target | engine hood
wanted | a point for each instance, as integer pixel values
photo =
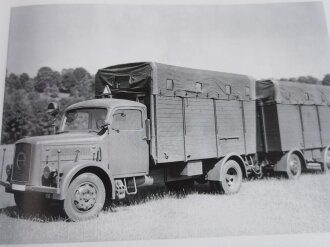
(62, 139)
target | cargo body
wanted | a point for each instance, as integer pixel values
(192, 115)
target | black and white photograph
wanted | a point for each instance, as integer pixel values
(193, 122)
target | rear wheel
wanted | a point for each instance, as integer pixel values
(85, 198)
(293, 167)
(231, 178)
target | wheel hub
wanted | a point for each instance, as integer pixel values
(85, 197)
(294, 166)
(231, 177)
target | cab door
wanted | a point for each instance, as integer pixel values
(128, 148)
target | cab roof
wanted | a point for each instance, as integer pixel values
(106, 103)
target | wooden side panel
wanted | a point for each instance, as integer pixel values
(230, 127)
(311, 126)
(200, 129)
(170, 141)
(324, 114)
(290, 127)
(250, 126)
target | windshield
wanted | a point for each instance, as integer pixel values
(84, 119)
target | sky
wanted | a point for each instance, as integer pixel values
(261, 40)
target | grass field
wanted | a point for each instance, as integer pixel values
(268, 206)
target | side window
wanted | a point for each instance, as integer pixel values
(127, 120)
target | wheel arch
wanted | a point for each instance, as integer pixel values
(281, 165)
(214, 173)
(71, 174)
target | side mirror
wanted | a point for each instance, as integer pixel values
(53, 109)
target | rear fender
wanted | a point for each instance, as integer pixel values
(70, 171)
(281, 165)
(323, 159)
(215, 173)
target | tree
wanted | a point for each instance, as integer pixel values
(46, 77)
(84, 89)
(81, 73)
(24, 77)
(308, 79)
(28, 85)
(12, 82)
(68, 80)
(326, 80)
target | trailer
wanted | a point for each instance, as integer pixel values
(154, 121)
(293, 126)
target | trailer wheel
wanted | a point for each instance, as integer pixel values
(231, 178)
(326, 164)
(293, 167)
(85, 198)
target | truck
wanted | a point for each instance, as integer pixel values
(183, 125)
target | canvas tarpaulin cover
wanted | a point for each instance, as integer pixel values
(153, 78)
(293, 93)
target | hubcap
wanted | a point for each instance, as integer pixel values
(85, 197)
(231, 177)
(294, 165)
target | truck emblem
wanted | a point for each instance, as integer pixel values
(20, 162)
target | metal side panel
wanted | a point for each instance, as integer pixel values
(169, 130)
(311, 126)
(324, 114)
(250, 126)
(200, 137)
(230, 127)
(290, 127)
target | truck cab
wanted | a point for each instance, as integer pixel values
(103, 137)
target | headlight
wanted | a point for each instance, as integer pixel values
(47, 172)
(8, 170)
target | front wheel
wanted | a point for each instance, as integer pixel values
(85, 198)
(231, 178)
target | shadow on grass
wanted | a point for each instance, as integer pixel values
(52, 212)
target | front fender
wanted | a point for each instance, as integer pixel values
(215, 173)
(69, 171)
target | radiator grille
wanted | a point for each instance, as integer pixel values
(22, 162)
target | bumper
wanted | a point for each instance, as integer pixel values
(10, 188)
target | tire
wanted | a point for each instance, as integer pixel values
(293, 166)
(181, 185)
(326, 162)
(85, 197)
(31, 202)
(231, 178)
